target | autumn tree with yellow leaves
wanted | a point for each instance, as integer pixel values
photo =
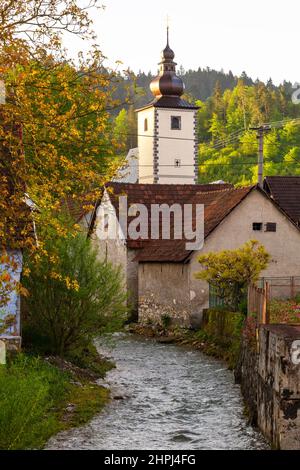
(56, 138)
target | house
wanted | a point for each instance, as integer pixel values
(121, 250)
(166, 276)
(159, 273)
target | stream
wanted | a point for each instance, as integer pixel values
(173, 398)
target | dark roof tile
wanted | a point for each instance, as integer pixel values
(285, 190)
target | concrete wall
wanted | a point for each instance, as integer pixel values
(278, 397)
(163, 290)
(270, 381)
(236, 229)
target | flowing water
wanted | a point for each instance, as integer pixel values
(173, 398)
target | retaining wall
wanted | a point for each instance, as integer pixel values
(270, 383)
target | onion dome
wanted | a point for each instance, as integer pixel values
(167, 83)
(167, 53)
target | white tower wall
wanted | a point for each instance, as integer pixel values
(146, 145)
(176, 147)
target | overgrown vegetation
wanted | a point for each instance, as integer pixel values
(285, 310)
(78, 300)
(66, 308)
(231, 271)
(39, 400)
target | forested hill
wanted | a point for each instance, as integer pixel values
(228, 108)
(199, 84)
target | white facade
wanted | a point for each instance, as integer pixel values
(128, 173)
(146, 117)
(176, 147)
(167, 155)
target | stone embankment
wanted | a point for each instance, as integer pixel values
(270, 384)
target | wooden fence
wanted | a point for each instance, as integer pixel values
(258, 298)
(266, 289)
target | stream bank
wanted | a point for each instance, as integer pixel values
(41, 396)
(170, 397)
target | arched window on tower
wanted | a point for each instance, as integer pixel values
(145, 125)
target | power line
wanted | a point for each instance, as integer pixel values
(220, 164)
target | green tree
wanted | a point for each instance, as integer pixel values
(121, 130)
(73, 296)
(231, 271)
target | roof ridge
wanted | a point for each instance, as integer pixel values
(228, 189)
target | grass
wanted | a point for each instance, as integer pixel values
(38, 399)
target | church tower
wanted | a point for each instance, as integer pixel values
(167, 130)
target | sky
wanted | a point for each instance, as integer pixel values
(260, 37)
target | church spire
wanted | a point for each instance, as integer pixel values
(167, 83)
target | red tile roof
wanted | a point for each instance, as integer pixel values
(219, 201)
(285, 190)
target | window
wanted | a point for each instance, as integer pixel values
(271, 227)
(106, 222)
(257, 226)
(177, 162)
(146, 125)
(175, 122)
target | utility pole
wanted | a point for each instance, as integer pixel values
(261, 131)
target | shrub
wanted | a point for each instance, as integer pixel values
(221, 334)
(230, 272)
(72, 297)
(223, 325)
(166, 321)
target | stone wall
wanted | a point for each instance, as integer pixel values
(246, 374)
(164, 292)
(278, 396)
(270, 383)
(132, 283)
